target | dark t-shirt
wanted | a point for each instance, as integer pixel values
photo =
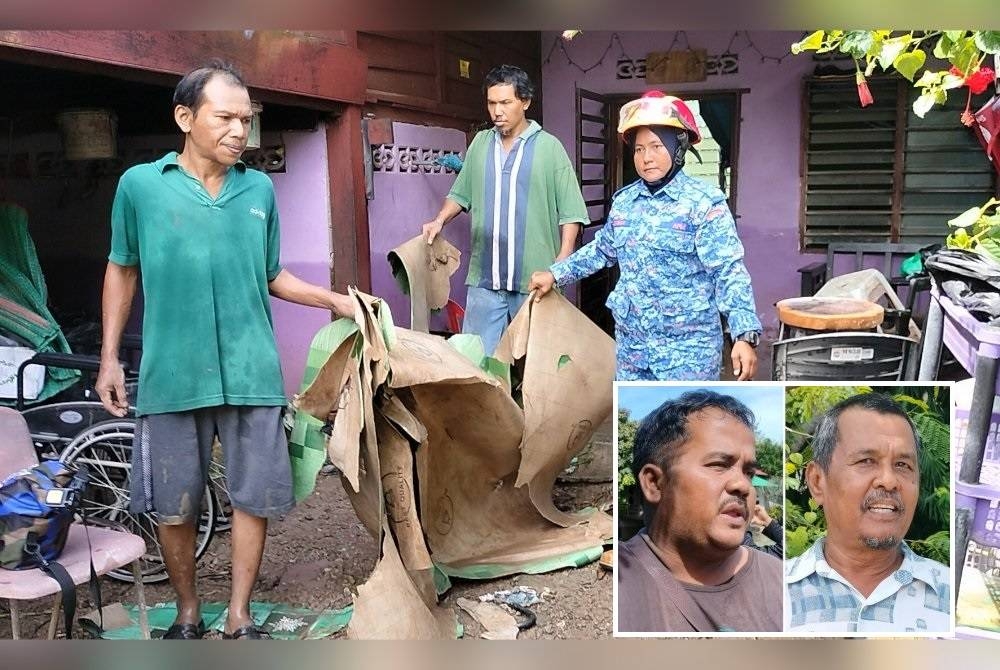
(749, 602)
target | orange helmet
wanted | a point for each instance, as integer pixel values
(655, 108)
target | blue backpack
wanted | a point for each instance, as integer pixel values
(37, 507)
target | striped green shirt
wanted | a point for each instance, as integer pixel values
(517, 203)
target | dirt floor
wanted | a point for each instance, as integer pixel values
(319, 553)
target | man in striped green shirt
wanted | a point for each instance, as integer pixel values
(522, 194)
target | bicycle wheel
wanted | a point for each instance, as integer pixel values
(224, 506)
(106, 449)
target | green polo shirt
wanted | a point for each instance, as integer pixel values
(205, 263)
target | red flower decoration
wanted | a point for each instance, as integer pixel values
(977, 81)
(864, 95)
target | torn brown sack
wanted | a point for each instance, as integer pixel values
(566, 391)
(424, 418)
(427, 269)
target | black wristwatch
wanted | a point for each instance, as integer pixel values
(751, 337)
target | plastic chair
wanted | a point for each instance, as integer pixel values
(842, 356)
(109, 548)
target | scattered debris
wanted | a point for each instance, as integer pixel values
(519, 595)
(497, 623)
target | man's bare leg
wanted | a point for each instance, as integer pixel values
(177, 543)
(249, 533)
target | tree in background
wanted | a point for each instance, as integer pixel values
(626, 437)
(928, 408)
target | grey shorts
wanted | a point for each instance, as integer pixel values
(171, 454)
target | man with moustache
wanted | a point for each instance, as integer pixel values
(687, 570)
(522, 194)
(862, 577)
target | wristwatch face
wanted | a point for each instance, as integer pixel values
(751, 338)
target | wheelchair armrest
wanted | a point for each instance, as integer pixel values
(60, 360)
(56, 360)
(813, 276)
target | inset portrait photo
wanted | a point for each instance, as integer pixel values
(868, 521)
(699, 480)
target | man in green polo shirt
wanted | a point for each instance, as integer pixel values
(203, 230)
(524, 199)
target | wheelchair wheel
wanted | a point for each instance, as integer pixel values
(220, 488)
(106, 449)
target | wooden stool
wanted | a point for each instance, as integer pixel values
(810, 315)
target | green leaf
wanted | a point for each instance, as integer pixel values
(942, 47)
(990, 246)
(990, 221)
(857, 43)
(917, 402)
(928, 79)
(955, 35)
(795, 458)
(790, 468)
(796, 541)
(891, 49)
(964, 55)
(988, 41)
(959, 240)
(813, 41)
(966, 218)
(923, 104)
(810, 517)
(813, 505)
(907, 64)
(949, 81)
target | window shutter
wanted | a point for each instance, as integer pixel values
(946, 171)
(880, 173)
(848, 163)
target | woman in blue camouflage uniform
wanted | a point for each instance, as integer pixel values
(674, 240)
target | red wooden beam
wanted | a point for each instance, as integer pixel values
(321, 65)
(348, 205)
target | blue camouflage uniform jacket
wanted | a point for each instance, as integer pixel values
(681, 264)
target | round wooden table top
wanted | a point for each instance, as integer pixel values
(830, 313)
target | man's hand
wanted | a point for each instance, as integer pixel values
(432, 229)
(744, 361)
(760, 516)
(111, 388)
(541, 283)
(342, 305)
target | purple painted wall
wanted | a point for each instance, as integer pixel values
(768, 190)
(303, 195)
(406, 197)
(69, 221)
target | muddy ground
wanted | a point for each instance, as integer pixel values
(319, 553)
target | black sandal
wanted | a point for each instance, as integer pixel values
(185, 631)
(248, 632)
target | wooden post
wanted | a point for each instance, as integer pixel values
(350, 252)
